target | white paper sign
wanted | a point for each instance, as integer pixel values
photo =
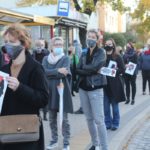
(112, 64)
(108, 71)
(130, 68)
(3, 87)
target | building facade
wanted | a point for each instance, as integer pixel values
(110, 20)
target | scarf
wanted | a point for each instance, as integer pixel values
(147, 52)
(129, 53)
(54, 59)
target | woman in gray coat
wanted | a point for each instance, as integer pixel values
(57, 66)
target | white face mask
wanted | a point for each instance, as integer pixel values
(58, 51)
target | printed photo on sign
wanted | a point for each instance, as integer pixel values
(108, 71)
(3, 87)
(112, 64)
(130, 68)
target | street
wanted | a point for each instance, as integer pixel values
(80, 139)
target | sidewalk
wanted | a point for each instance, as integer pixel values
(80, 139)
(140, 140)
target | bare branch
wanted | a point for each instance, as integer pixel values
(77, 6)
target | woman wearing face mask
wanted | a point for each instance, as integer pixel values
(114, 90)
(57, 66)
(91, 84)
(25, 94)
(130, 56)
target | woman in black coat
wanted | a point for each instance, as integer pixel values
(114, 90)
(27, 88)
(130, 80)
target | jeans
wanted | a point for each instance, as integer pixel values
(92, 104)
(130, 80)
(111, 119)
(65, 127)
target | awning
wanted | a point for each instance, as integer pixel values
(69, 22)
(8, 16)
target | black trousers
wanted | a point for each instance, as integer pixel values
(130, 82)
(146, 77)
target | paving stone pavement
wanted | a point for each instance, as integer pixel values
(140, 140)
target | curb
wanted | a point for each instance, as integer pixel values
(119, 142)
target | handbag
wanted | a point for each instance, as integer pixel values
(19, 128)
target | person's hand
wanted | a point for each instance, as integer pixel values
(13, 83)
(126, 66)
(63, 71)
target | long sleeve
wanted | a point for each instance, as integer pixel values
(91, 69)
(53, 72)
(121, 66)
(97, 65)
(37, 93)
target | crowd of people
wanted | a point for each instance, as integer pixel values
(33, 80)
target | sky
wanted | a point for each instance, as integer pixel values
(130, 3)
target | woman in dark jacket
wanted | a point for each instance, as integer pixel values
(57, 67)
(114, 90)
(91, 85)
(130, 56)
(25, 94)
(144, 65)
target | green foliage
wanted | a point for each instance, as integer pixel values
(130, 37)
(142, 14)
(119, 38)
(88, 6)
(139, 45)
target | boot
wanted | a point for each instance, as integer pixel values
(132, 102)
(127, 101)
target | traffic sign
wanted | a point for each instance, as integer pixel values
(63, 8)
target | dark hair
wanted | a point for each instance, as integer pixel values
(131, 44)
(114, 53)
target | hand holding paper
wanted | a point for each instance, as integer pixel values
(3, 87)
(130, 68)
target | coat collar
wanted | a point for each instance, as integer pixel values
(26, 68)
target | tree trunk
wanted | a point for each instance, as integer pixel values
(82, 36)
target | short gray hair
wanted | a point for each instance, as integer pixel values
(93, 31)
(56, 39)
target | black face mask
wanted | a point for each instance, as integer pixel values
(108, 48)
(13, 51)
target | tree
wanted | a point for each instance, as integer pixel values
(88, 6)
(142, 15)
(119, 38)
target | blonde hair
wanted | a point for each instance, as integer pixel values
(20, 32)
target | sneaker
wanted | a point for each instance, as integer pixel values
(114, 128)
(132, 102)
(79, 111)
(66, 147)
(144, 93)
(52, 145)
(94, 147)
(127, 101)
